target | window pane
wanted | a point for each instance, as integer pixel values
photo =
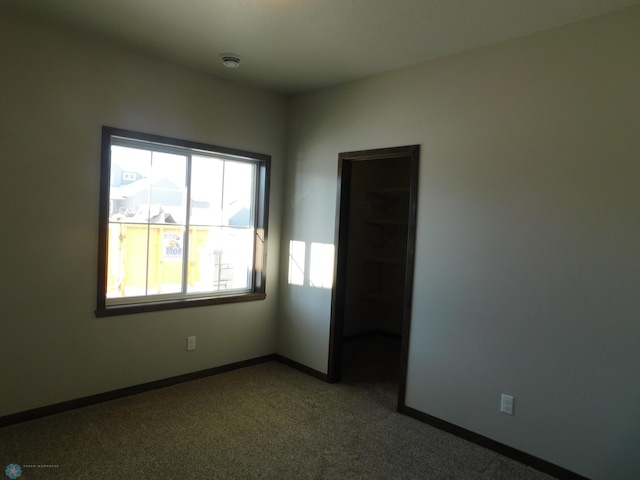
(220, 258)
(167, 190)
(127, 260)
(144, 260)
(239, 181)
(147, 186)
(206, 190)
(166, 248)
(130, 169)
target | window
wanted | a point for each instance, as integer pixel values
(181, 224)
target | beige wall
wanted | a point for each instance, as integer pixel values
(57, 90)
(528, 248)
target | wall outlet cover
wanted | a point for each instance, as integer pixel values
(506, 404)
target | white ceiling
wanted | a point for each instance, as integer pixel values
(298, 45)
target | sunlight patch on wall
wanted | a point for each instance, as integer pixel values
(321, 265)
(297, 253)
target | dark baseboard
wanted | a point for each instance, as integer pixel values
(125, 392)
(301, 367)
(61, 407)
(502, 449)
(498, 447)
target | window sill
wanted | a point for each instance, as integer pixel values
(111, 311)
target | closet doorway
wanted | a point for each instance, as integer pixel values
(375, 250)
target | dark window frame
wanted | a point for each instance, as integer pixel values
(258, 291)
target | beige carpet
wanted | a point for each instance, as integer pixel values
(266, 421)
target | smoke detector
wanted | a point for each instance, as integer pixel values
(230, 60)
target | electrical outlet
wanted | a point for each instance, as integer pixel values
(506, 404)
(191, 343)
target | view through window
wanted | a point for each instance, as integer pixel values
(182, 223)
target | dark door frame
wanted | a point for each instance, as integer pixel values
(345, 162)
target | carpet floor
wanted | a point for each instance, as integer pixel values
(267, 421)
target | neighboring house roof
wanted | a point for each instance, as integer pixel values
(134, 188)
